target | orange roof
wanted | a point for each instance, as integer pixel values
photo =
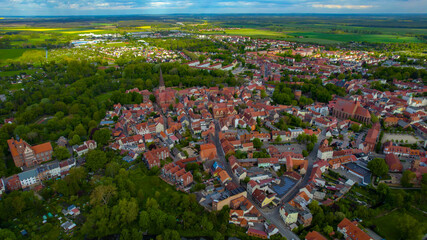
(314, 236)
(12, 147)
(44, 147)
(223, 175)
(353, 231)
(206, 146)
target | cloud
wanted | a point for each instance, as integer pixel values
(338, 6)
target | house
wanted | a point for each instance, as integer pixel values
(315, 236)
(2, 187)
(85, 147)
(262, 198)
(24, 154)
(371, 138)
(257, 233)
(393, 163)
(208, 151)
(152, 158)
(305, 217)
(28, 178)
(325, 153)
(350, 230)
(288, 213)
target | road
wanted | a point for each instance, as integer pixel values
(271, 215)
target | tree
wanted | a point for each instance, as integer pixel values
(328, 229)
(263, 94)
(409, 228)
(102, 136)
(355, 128)
(374, 118)
(304, 153)
(257, 143)
(75, 140)
(102, 194)
(126, 211)
(6, 234)
(278, 139)
(378, 167)
(407, 178)
(152, 98)
(61, 153)
(80, 130)
(144, 220)
(95, 160)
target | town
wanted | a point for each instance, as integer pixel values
(297, 127)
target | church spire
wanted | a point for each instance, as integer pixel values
(161, 81)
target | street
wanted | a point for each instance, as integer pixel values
(271, 215)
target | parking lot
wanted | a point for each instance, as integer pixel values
(395, 136)
(296, 148)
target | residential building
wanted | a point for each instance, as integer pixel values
(351, 231)
(26, 155)
(314, 236)
(393, 163)
(288, 213)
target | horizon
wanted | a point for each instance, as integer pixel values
(20, 8)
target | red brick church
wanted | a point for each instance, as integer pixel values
(348, 109)
(164, 96)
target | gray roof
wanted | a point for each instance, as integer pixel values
(27, 174)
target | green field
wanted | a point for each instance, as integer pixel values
(386, 225)
(13, 73)
(251, 32)
(11, 53)
(344, 37)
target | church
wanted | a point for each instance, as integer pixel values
(164, 96)
(348, 109)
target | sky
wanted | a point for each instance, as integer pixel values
(122, 7)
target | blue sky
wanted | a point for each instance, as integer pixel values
(103, 7)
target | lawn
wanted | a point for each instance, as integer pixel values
(386, 225)
(347, 37)
(11, 53)
(251, 32)
(13, 73)
(104, 97)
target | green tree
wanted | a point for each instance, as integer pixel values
(374, 118)
(102, 136)
(257, 143)
(80, 130)
(328, 229)
(407, 178)
(304, 153)
(378, 167)
(6, 234)
(144, 220)
(103, 194)
(409, 228)
(61, 153)
(95, 160)
(75, 140)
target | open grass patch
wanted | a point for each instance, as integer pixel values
(347, 37)
(386, 225)
(14, 73)
(11, 53)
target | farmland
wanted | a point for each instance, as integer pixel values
(348, 37)
(11, 53)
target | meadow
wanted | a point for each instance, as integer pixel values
(11, 53)
(349, 37)
(386, 225)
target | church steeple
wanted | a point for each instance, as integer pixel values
(161, 81)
